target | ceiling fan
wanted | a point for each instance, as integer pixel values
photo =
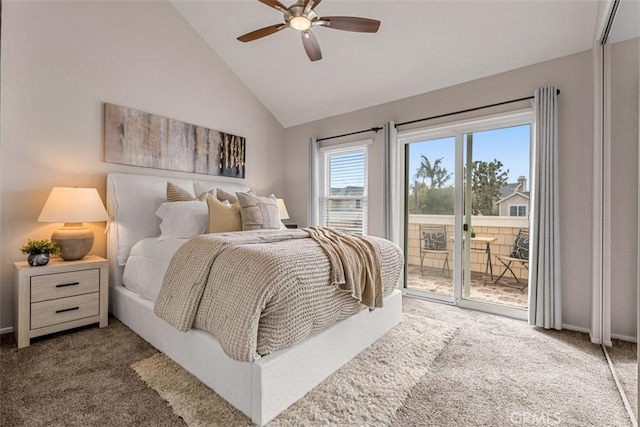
(301, 16)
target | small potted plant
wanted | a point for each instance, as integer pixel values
(39, 251)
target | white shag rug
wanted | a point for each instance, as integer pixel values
(366, 391)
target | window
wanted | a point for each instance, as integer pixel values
(517, 210)
(343, 187)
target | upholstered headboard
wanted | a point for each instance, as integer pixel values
(132, 201)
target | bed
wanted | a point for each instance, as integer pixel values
(261, 388)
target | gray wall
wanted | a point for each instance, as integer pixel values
(61, 61)
(572, 74)
(624, 61)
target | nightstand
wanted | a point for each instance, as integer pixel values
(58, 296)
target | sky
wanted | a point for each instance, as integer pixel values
(509, 145)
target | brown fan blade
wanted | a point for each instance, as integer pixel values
(349, 23)
(308, 6)
(274, 4)
(262, 32)
(311, 46)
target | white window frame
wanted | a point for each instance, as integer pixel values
(324, 181)
(518, 206)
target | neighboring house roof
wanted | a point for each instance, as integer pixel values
(524, 194)
(347, 191)
(508, 189)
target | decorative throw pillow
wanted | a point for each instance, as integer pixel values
(258, 212)
(203, 196)
(176, 193)
(434, 240)
(181, 220)
(223, 216)
(521, 245)
(231, 198)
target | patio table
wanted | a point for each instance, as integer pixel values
(486, 240)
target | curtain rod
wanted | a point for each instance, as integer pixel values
(607, 28)
(468, 110)
(373, 129)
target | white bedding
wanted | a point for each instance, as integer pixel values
(147, 264)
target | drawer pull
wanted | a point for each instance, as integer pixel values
(67, 309)
(64, 285)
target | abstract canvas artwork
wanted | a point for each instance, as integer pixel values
(133, 137)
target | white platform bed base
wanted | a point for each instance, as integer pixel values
(266, 387)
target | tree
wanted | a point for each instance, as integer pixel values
(431, 198)
(437, 175)
(487, 181)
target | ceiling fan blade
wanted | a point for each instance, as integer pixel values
(262, 32)
(311, 46)
(349, 23)
(310, 5)
(274, 4)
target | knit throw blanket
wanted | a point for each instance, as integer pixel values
(355, 263)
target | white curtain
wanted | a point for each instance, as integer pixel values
(312, 203)
(545, 297)
(391, 210)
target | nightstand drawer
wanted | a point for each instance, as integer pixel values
(47, 313)
(60, 285)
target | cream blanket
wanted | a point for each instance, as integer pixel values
(260, 291)
(355, 263)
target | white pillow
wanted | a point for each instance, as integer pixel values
(181, 220)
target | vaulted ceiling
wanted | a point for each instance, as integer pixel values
(421, 46)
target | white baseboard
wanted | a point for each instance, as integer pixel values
(586, 331)
(577, 329)
(6, 330)
(624, 338)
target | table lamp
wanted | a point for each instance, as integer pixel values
(284, 214)
(73, 206)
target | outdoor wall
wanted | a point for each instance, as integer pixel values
(624, 186)
(61, 61)
(572, 74)
(504, 232)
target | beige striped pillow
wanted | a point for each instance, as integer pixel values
(176, 193)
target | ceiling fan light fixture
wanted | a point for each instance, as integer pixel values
(300, 23)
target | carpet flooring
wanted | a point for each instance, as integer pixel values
(494, 371)
(501, 372)
(79, 378)
(366, 391)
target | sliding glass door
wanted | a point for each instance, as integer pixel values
(430, 204)
(467, 210)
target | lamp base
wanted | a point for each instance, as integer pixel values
(74, 239)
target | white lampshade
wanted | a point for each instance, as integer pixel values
(284, 214)
(71, 204)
